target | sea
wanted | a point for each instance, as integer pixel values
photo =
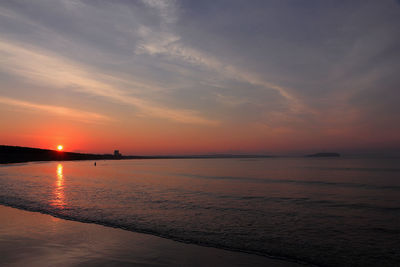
(317, 211)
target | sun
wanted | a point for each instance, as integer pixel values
(60, 147)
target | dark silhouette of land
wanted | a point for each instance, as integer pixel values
(15, 154)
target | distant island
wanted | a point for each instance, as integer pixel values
(16, 154)
(324, 155)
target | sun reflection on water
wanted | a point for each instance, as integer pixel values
(59, 198)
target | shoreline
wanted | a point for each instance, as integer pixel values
(17, 154)
(67, 242)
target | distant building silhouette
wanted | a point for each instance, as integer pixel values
(117, 154)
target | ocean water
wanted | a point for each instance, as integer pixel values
(321, 211)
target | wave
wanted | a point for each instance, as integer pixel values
(288, 181)
(356, 169)
(295, 219)
(32, 206)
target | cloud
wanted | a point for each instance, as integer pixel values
(80, 115)
(166, 8)
(164, 41)
(150, 39)
(47, 68)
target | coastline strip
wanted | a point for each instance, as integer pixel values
(35, 239)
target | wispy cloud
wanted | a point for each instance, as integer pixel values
(166, 42)
(166, 8)
(75, 114)
(41, 66)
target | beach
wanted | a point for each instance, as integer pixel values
(35, 239)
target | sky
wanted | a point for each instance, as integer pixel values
(197, 77)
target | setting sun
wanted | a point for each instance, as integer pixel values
(60, 147)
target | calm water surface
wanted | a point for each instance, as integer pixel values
(327, 212)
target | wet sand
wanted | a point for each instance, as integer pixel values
(35, 239)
